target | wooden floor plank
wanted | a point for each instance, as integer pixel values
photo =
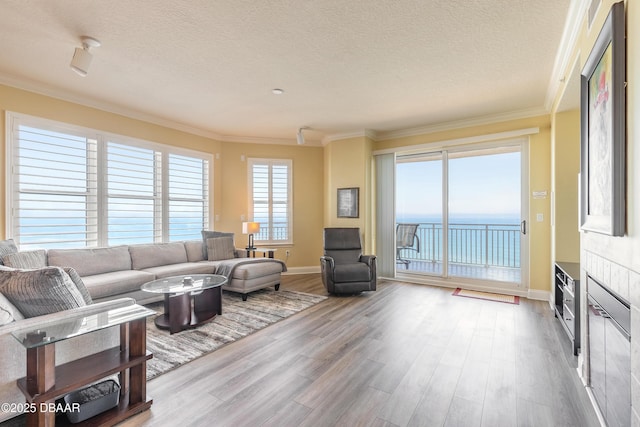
(404, 355)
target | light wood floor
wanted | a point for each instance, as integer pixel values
(405, 355)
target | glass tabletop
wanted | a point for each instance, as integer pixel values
(80, 324)
(188, 283)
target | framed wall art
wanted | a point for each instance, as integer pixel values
(603, 130)
(348, 199)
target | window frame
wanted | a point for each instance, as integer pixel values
(251, 161)
(161, 229)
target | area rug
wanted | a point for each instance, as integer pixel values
(508, 299)
(239, 319)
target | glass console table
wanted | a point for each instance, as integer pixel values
(45, 382)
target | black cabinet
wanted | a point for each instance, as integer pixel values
(567, 300)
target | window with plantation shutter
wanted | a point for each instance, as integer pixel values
(270, 199)
(188, 179)
(132, 195)
(77, 187)
(54, 188)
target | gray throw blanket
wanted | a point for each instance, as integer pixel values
(226, 267)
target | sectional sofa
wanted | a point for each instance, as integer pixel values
(119, 271)
(113, 276)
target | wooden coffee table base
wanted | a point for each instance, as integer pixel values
(180, 313)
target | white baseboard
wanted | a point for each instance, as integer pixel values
(539, 295)
(302, 270)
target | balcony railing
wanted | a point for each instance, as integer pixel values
(489, 245)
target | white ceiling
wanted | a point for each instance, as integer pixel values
(346, 65)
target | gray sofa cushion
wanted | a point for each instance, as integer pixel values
(8, 312)
(115, 283)
(219, 248)
(7, 247)
(208, 234)
(26, 259)
(194, 250)
(42, 291)
(77, 280)
(91, 261)
(180, 269)
(155, 254)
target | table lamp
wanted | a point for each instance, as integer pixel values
(250, 228)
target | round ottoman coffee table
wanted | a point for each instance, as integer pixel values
(179, 312)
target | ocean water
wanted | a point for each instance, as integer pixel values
(489, 240)
(461, 219)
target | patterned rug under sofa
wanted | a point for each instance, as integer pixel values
(239, 319)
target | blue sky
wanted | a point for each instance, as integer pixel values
(478, 185)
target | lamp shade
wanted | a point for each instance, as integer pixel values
(250, 227)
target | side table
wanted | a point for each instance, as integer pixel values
(251, 253)
(45, 381)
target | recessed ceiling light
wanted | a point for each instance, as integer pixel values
(277, 91)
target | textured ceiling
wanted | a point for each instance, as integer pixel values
(346, 65)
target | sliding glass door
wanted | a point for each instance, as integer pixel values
(419, 190)
(470, 210)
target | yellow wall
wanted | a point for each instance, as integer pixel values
(566, 166)
(307, 196)
(348, 164)
(229, 199)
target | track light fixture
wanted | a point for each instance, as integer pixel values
(82, 56)
(300, 136)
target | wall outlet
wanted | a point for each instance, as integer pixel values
(288, 252)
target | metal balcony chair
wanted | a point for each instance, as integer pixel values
(406, 239)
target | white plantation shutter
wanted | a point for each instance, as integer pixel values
(270, 199)
(53, 188)
(188, 197)
(132, 195)
(75, 187)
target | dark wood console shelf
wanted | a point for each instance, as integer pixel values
(45, 382)
(567, 300)
(84, 371)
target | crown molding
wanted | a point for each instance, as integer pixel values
(561, 70)
(41, 89)
(367, 133)
(268, 140)
(458, 124)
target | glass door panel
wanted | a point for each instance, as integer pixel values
(419, 191)
(485, 214)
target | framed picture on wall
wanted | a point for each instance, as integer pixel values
(603, 130)
(348, 205)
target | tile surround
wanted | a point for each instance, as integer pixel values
(626, 283)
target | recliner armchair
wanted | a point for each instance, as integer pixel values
(344, 269)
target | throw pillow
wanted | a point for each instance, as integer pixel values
(208, 234)
(27, 259)
(7, 247)
(77, 280)
(220, 248)
(8, 312)
(42, 291)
